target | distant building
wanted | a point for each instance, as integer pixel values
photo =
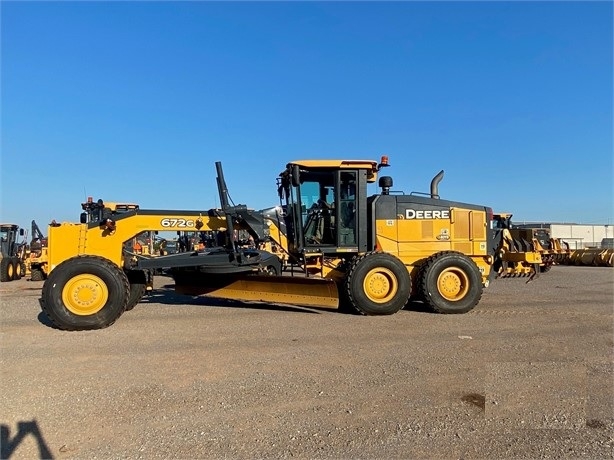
(577, 236)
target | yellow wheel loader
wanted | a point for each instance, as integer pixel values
(342, 249)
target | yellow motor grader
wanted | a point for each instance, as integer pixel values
(12, 252)
(370, 254)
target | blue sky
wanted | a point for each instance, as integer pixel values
(135, 101)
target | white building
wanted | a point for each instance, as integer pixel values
(578, 236)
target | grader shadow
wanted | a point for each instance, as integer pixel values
(166, 295)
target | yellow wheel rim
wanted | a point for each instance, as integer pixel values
(10, 271)
(380, 285)
(453, 284)
(85, 294)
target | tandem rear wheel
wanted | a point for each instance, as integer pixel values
(85, 292)
(450, 282)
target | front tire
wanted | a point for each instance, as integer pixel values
(451, 283)
(6, 269)
(377, 283)
(85, 292)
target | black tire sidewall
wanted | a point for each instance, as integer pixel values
(430, 291)
(4, 269)
(137, 291)
(16, 269)
(355, 290)
(113, 278)
(138, 287)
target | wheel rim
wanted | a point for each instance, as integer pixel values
(10, 271)
(85, 294)
(453, 284)
(380, 285)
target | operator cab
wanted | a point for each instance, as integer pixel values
(8, 239)
(325, 203)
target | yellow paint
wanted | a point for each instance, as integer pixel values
(380, 285)
(85, 294)
(315, 292)
(453, 284)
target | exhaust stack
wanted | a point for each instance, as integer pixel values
(435, 185)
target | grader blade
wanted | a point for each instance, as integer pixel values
(312, 292)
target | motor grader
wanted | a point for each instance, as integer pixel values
(12, 252)
(370, 254)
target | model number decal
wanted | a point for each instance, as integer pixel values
(181, 223)
(427, 214)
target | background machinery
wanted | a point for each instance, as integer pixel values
(12, 253)
(595, 257)
(370, 254)
(525, 251)
(36, 257)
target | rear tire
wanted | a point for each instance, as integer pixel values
(451, 283)
(85, 292)
(16, 269)
(377, 283)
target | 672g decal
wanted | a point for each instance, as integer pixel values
(177, 223)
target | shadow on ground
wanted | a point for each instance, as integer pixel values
(24, 429)
(166, 295)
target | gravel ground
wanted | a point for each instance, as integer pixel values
(527, 374)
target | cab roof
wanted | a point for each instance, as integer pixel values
(342, 164)
(371, 166)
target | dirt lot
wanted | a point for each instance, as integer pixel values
(527, 374)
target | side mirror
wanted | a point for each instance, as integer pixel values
(296, 176)
(21, 232)
(83, 218)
